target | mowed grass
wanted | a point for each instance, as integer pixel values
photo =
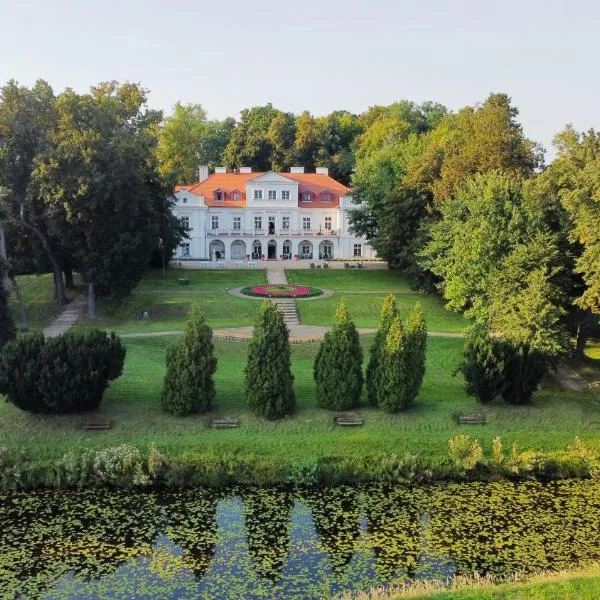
(168, 302)
(38, 298)
(353, 280)
(551, 422)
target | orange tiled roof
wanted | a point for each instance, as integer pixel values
(229, 182)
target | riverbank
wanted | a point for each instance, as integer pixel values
(580, 584)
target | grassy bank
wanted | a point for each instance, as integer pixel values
(577, 584)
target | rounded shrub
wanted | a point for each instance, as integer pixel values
(68, 373)
(188, 385)
(269, 379)
(338, 365)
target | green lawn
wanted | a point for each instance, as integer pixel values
(201, 279)
(365, 308)
(38, 297)
(377, 280)
(550, 422)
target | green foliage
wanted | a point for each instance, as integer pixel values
(392, 380)
(465, 452)
(7, 326)
(482, 365)
(524, 368)
(415, 347)
(269, 380)
(68, 373)
(188, 385)
(389, 310)
(338, 365)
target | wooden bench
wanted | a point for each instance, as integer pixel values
(98, 423)
(472, 419)
(347, 420)
(184, 281)
(225, 423)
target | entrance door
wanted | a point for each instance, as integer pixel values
(272, 250)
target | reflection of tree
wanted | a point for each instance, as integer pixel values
(267, 517)
(394, 529)
(192, 524)
(45, 535)
(336, 515)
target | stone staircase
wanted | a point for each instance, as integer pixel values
(289, 310)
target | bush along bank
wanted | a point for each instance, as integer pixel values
(126, 466)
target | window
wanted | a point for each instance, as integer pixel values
(257, 222)
(305, 223)
(184, 200)
(357, 249)
(285, 195)
(185, 221)
(258, 194)
(272, 194)
(237, 223)
(326, 197)
(328, 223)
(185, 249)
(235, 196)
(287, 250)
(219, 196)
(307, 197)
(285, 222)
(215, 222)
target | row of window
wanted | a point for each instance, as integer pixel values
(272, 194)
(237, 223)
(305, 249)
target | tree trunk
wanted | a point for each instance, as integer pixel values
(91, 302)
(69, 282)
(22, 312)
(4, 257)
(583, 332)
(58, 280)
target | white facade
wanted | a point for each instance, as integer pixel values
(266, 220)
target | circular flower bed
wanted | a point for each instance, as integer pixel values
(281, 291)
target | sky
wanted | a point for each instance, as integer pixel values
(318, 55)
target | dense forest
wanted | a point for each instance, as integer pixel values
(461, 200)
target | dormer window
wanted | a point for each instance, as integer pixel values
(236, 196)
(219, 195)
(326, 197)
(307, 197)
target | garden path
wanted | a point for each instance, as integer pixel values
(275, 276)
(67, 318)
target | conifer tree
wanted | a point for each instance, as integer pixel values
(188, 385)
(7, 327)
(389, 310)
(338, 365)
(392, 388)
(269, 379)
(415, 346)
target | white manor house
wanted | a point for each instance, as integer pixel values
(273, 216)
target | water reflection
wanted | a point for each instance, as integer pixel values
(278, 543)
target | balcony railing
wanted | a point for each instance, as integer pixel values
(276, 232)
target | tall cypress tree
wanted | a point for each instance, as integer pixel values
(188, 385)
(7, 327)
(392, 388)
(338, 365)
(269, 379)
(415, 347)
(389, 310)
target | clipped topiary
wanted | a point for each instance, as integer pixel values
(483, 365)
(269, 379)
(392, 388)
(415, 347)
(68, 373)
(7, 326)
(389, 310)
(338, 365)
(188, 385)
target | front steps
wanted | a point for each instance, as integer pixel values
(289, 309)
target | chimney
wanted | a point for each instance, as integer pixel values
(220, 170)
(245, 169)
(322, 171)
(202, 173)
(297, 170)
